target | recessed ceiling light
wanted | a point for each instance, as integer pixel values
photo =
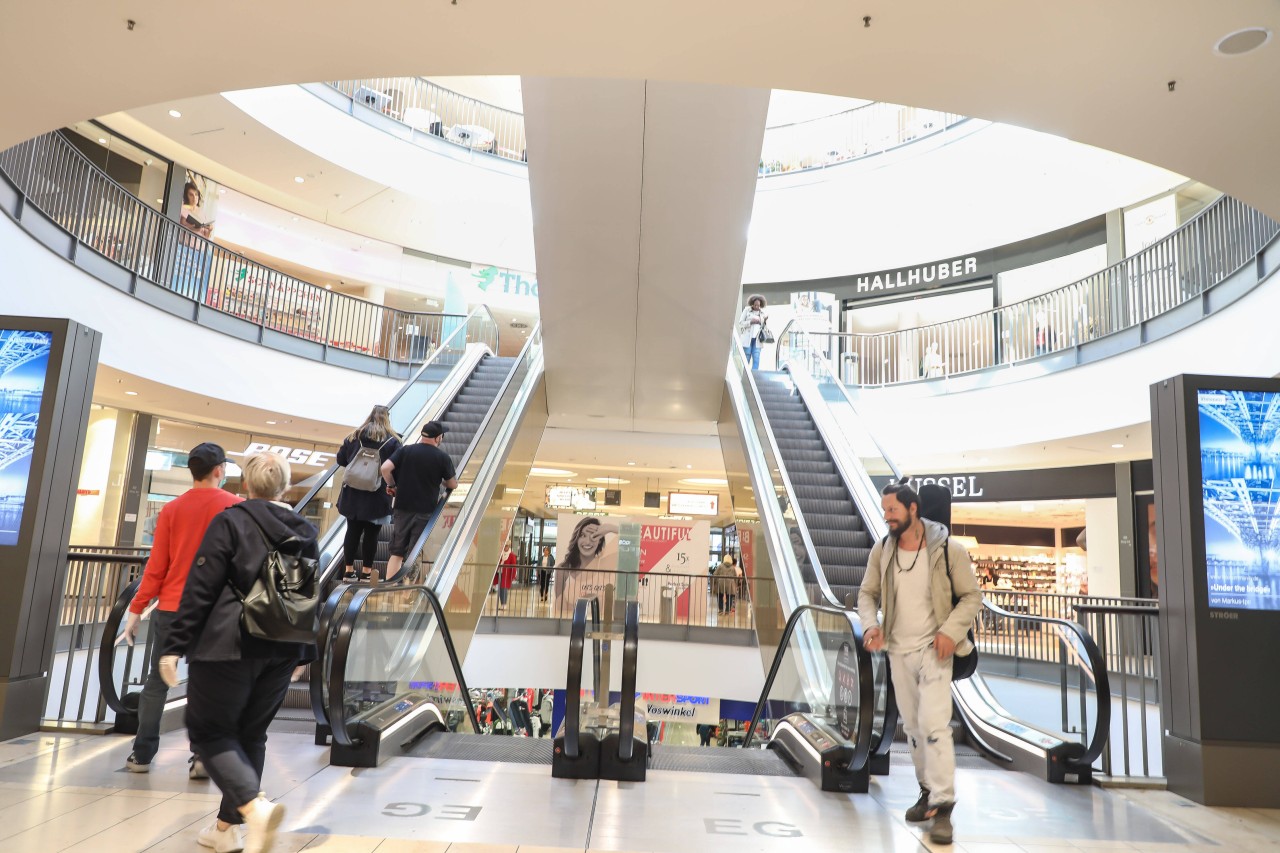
(222, 190)
(295, 219)
(1117, 446)
(175, 114)
(608, 481)
(704, 481)
(273, 423)
(131, 393)
(688, 466)
(159, 201)
(631, 463)
(550, 472)
(1242, 41)
(297, 179)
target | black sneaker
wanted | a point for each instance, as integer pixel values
(920, 811)
(133, 765)
(195, 769)
(942, 831)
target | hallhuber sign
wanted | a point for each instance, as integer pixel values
(920, 277)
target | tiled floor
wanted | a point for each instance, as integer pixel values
(67, 792)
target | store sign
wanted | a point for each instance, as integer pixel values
(681, 709)
(921, 277)
(692, 503)
(295, 455)
(960, 485)
(1081, 481)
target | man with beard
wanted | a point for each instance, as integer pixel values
(914, 575)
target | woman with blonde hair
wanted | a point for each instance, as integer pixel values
(237, 681)
(364, 501)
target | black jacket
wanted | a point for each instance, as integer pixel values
(359, 505)
(207, 625)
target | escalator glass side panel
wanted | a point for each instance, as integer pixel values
(396, 656)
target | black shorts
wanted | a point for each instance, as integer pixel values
(406, 527)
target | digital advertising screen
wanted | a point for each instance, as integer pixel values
(1239, 461)
(24, 361)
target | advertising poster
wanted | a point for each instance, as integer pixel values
(1238, 463)
(193, 257)
(24, 361)
(595, 551)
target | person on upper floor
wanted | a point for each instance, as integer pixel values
(364, 501)
(750, 324)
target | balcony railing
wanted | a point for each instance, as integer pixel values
(860, 132)
(1216, 243)
(435, 110)
(57, 179)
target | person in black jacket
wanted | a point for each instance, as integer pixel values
(237, 682)
(366, 511)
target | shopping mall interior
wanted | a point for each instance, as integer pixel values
(1019, 252)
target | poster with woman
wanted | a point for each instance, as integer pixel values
(194, 256)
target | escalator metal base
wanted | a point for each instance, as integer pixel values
(585, 766)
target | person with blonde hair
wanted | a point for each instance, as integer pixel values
(236, 681)
(364, 501)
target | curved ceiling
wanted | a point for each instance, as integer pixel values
(1095, 71)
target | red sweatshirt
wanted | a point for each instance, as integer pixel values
(179, 531)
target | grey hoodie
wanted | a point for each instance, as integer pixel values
(877, 591)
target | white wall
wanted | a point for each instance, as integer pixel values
(697, 669)
(971, 189)
(1017, 285)
(155, 345)
(1102, 536)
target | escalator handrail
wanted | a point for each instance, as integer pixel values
(338, 600)
(573, 681)
(811, 551)
(627, 706)
(862, 748)
(1098, 670)
(107, 644)
(337, 711)
(327, 474)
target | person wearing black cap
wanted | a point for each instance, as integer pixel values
(414, 474)
(179, 530)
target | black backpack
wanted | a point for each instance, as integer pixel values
(282, 605)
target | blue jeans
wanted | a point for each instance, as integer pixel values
(752, 353)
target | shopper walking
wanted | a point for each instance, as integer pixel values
(179, 530)
(725, 581)
(913, 576)
(364, 501)
(545, 563)
(506, 575)
(237, 681)
(751, 323)
(414, 475)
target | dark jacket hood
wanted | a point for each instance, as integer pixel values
(278, 521)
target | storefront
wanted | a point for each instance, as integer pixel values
(1057, 530)
(135, 463)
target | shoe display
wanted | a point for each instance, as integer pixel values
(920, 811)
(220, 840)
(261, 823)
(942, 831)
(195, 769)
(133, 765)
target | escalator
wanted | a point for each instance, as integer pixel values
(460, 372)
(1051, 719)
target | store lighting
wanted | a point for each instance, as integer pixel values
(1117, 446)
(549, 472)
(131, 393)
(297, 179)
(272, 423)
(175, 114)
(969, 542)
(631, 463)
(101, 141)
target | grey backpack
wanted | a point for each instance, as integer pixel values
(364, 471)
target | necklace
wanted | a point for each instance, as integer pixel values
(898, 561)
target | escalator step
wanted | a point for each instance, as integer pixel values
(805, 491)
(836, 521)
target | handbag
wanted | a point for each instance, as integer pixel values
(765, 336)
(962, 666)
(282, 605)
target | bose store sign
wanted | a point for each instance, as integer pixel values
(295, 455)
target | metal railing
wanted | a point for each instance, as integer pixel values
(94, 583)
(1217, 242)
(667, 599)
(435, 110)
(860, 132)
(56, 178)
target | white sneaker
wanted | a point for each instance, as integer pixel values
(261, 824)
(220, 840)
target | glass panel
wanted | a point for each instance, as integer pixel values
(397, 652)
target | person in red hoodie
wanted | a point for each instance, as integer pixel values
(507, 575)
(179, 531)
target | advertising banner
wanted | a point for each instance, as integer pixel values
(678, 708)
(24, 361)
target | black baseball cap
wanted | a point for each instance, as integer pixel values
(433, 429)
(208, 454)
